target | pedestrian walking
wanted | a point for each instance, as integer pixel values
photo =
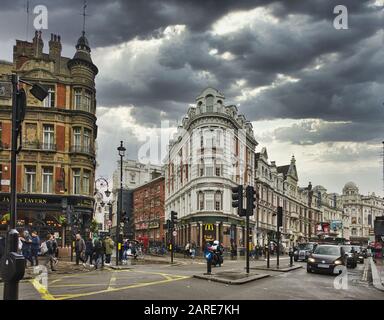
(186, 249)
(108, 247)
(80, 249)
(193, 250)
(27, 247)
(89, 251)
(51, 243)
(99, 252)
(35, 248)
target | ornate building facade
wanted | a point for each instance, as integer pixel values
(361, 211)
(57, 160)
(211, 152)
(278, 186)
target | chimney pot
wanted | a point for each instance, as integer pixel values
(51, 36)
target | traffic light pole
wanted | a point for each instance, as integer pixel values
(247, 239)
(172, 244)
(278, 247)
(11, 288)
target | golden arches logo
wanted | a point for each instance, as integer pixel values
(209, 227)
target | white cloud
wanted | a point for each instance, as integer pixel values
(236, 21)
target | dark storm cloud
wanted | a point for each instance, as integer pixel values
(347, 87)
(312, 132)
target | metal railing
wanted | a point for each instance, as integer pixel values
(82, 149)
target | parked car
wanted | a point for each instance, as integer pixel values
(304, 250)
(325, 259)
(351, 255)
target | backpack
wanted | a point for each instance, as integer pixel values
(43, 248)
(98, 245)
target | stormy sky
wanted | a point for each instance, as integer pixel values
(309, 89)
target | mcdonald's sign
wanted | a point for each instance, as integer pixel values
(209, 233)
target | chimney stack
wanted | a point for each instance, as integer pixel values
(38, 45)
(55, 51)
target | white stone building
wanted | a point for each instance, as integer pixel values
(212, 151)
(135, 174)
(361, 211)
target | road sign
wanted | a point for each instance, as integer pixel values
(109, 223)
(174, 233)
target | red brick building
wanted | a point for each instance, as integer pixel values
(148, 211)
(58, 158)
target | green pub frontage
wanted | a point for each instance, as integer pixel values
(62, 216)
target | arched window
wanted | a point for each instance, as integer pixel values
(209, 103)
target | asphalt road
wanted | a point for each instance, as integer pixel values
(157, 281)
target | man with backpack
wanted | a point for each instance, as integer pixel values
(51, 246)
(99, 252)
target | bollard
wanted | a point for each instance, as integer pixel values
(209, 266)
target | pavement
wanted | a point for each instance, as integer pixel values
(377, 272)
(163, 281)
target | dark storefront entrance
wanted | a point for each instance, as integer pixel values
(48, 214)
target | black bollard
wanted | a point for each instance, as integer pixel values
(209, 266)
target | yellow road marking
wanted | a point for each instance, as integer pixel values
(77, 285)
(42, 290)
(139, 285)
(48, 296)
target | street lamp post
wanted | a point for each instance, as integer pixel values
(121, 150)
(310, 195)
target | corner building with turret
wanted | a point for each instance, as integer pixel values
(212, 151)
(56, 167)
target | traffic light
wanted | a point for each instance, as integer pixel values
(237, 197)
(251, 199)
(125, 218)
(279, 217)
(173, 219)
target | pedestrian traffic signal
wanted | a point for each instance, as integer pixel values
(237, 197)
(251, 199)
(279, 217)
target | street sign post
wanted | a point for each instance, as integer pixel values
(174, 233)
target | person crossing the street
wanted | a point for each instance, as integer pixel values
(51, 246)
(80, 249)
